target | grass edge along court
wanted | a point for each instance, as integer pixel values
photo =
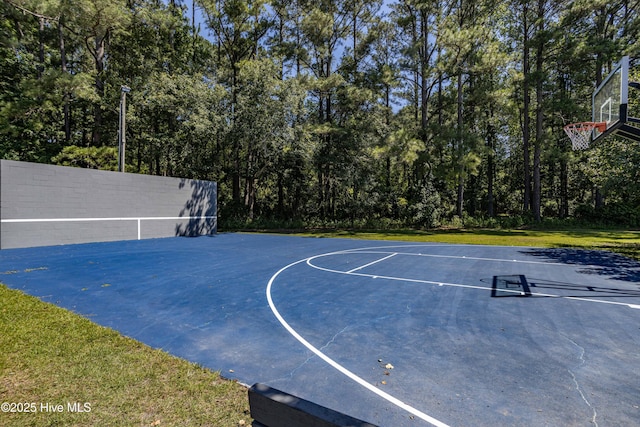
(59, 368)
(623, 242)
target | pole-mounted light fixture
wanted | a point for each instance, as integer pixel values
(124, 90)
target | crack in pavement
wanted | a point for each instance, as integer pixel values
(297, 368)
(575, 379)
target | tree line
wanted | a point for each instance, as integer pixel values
(413, 112)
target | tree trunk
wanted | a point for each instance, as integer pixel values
(249, 187)
(235, 176)
(63, 67)
(355, 41)
(564, 189)
(460, 149)
(280, 184)
(491, 145)
(99, 56)
(537, 196)
(41, 47)
(526, 120)
(599, 198)
(536, 182)
(321, 196)
(424, 95)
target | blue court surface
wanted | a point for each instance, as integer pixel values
(396, 334)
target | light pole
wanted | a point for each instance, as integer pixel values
(124, 90)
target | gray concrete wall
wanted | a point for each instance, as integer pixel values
(44, 205)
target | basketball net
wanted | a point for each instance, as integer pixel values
(580, 133)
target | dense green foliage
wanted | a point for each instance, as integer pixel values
(408, 111)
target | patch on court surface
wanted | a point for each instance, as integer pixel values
(397, 334)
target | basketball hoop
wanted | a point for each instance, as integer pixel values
(580, 133)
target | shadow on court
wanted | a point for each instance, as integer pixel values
(510, 286)
(521, 286)
(601, 263)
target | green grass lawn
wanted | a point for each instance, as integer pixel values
(50, 356)
(623, 242)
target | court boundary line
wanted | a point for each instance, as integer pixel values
(372, 262)
(351, 375)
(460, 285)
(333, 363)
(366, 250)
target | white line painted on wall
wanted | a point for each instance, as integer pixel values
(137, 219)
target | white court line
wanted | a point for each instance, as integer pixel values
(353, 376)
(469, 258)
(335, 364)
(457, 285)
(373, 250)
(371, 263)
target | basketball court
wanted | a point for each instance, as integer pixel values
(396, 334)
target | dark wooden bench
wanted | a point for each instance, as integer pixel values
(275, 408)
